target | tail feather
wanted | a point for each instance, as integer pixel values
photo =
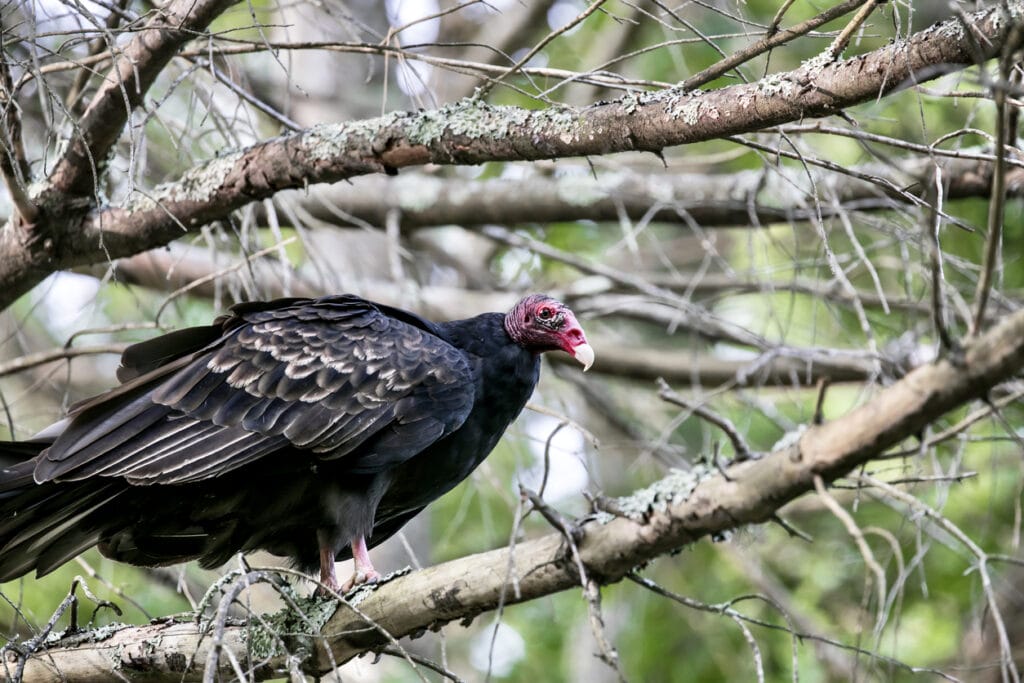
(44, 525)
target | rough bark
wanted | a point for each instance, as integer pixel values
(674, 512)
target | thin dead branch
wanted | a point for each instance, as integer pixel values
(774, 38)
(739, 444)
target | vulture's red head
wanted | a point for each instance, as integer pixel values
(539, 323)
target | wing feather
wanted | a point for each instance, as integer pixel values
(335, 376)
(190, 462)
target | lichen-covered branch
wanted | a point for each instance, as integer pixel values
(472, 132)
(675, 511)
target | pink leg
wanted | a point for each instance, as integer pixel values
(328, 574)
(364, 571)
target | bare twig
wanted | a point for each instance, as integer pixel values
(935, 260)
(199, 282)
(582, 16)
(772, 40)
(32, 360)
(591, 588)
(819, 404)
(997, 202)
(422, 661)
(739, 445)
(73, 99)
(607, 653)
(130, 77)
(862, 545)
(1006, 662)
(24, 651)
(961, 426)
(843, 39)
(14, 167)
(728, 609)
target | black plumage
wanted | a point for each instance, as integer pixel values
(309, 428)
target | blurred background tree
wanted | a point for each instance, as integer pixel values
(776, 268)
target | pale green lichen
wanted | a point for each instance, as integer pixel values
(329, 141)
(53, 637)
(467, 118)
(776, 84)
(695, 109)
(325, 141)
(367, 589)
(630, 102)
(198, 184)
(428, 127)
(86, 637)
(290, 631)
(670, 490)
(813, 66)
(476, 119)
(93, 635)
(679, 104)
(293, 631)
(672, 101)
(100, 634)
(603, 517)
(690, 112)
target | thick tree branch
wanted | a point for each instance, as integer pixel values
(472, 132)
(670, 514)
(29, 255)
(743, 199)
(796, 369)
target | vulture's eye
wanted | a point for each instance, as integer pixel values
(545, 314)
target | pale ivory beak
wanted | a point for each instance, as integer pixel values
(584, 353)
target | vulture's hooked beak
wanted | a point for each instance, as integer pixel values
(584, 353)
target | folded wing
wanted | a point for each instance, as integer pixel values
(335, 377)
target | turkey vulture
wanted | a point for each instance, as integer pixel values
(310, 428)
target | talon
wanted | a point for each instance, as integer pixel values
(358, 578)
(364, 571)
